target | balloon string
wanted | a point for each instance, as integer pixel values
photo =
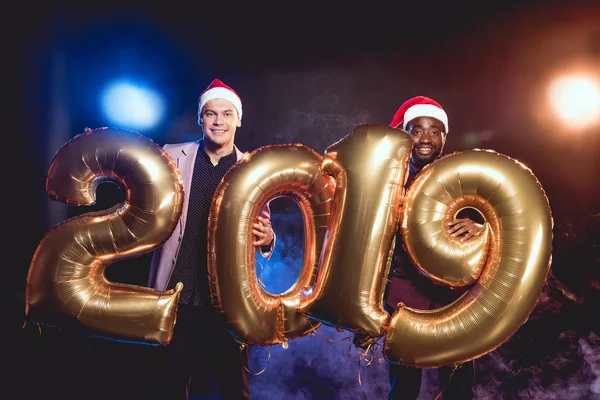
(448, 381)
(314, 331)
(360, 381)
(37, 324)
(264, 368)
(370, 350)
(369, 354)
(329, 339)
(552, 281)
(259, 276)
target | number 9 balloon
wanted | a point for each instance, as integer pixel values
(66, 285)
(508, 275)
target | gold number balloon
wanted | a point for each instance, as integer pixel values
(66, 285)
(252, 314)
(508, 275)
(370, 168)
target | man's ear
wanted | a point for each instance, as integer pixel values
(200, 122)
(444, 136)
(239, 123)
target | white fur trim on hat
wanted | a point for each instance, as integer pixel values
(220, 93)
(425, 110)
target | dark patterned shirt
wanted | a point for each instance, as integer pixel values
(191, 267)
(405, 282)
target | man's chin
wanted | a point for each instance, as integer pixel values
(423, 160)
(220, 140)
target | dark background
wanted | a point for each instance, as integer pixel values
(309, 73)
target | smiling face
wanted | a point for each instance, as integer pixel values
(219, 119)
(429, 137)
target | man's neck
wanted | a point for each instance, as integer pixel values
(417, 165)
(215, 152)
(414, 167)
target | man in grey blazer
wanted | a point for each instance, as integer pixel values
(201, 346)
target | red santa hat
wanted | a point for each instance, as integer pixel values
(218, 90)
(419, 106)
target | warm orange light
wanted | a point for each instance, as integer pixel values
(576, 100)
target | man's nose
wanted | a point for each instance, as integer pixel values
(425, 137)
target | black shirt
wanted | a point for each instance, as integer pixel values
(191, 267)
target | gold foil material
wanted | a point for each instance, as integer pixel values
(66, 285)
(250, 313)
(352, 201)
(370, 169)
(515, 265)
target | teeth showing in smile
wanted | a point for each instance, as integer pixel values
(425, 150)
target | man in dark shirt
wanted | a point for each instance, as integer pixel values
(201, 346)
(427, 122)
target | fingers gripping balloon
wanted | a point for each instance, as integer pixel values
(66, 285)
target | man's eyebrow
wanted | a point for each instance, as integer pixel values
(215, 111)
(431, 126)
